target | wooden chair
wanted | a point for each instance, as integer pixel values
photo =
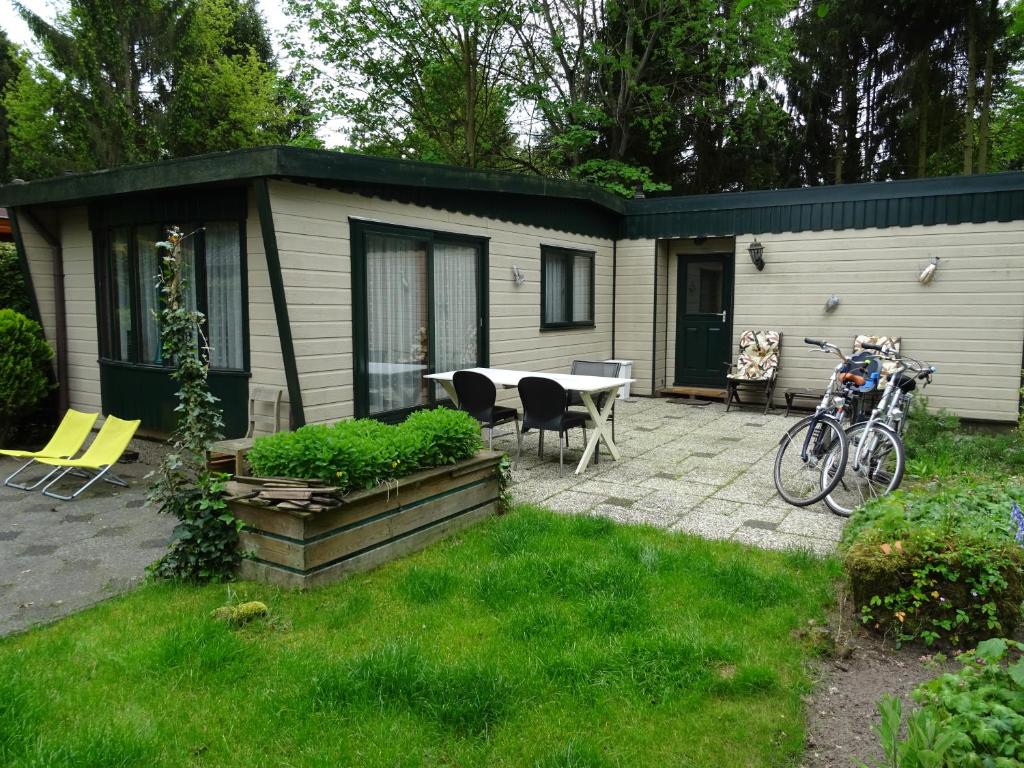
(756, 366)
(238, 447)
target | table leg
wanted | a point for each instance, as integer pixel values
(449, 388)
(599, 418)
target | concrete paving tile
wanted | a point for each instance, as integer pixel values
(707, 526)
(782, 541)
(603, 487)
(573, 502)
(713, 506)
(631, 515)
(820, 525)
(671, 502)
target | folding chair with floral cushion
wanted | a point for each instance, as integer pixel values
(757, 366)
(889, 344)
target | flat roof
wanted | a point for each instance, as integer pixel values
(590, 209)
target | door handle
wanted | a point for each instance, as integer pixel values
(724, 314)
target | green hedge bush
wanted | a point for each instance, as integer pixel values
(13, 292)
(938, 447)
(972, 718)
(24, 360)
(938, 564)
(364, 453)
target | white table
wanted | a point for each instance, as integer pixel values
(587, 386)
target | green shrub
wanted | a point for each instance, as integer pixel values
(973, 717)
(364, 453)
(938, 447)
(13, 292)
(938, 565)
(24, 360)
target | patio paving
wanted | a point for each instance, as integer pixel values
(57, 557)
(695, 469)
(684, 467)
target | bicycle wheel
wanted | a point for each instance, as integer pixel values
(874, 467)
(802, 450)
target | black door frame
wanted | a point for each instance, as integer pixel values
(359, 229)
(729, 299)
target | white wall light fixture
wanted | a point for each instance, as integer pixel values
(517, 275)
(928, 273)
(831, 303)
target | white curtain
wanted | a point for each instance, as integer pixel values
(455, 307)
(581, 280)
(224, 295)
(396, 303)
(149, 293)
(121, 279)
(556, 277)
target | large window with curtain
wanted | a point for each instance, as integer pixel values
(215, 286)
(419, 308)
(566, 288)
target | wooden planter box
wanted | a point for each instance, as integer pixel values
(298, 548)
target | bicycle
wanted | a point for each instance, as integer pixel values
(876, 456)
(801, 481)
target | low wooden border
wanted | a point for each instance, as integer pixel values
(300, 548)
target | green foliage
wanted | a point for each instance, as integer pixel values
(972, 718)
(24, 362)
(421, 80)
(938, 564)
(13, 291)
(937, 447)
(363, 453)
(205, 541)
(138, 80)
(10, 68)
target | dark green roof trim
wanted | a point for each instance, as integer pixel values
(906, 203)
(586, 208)
(581, 208)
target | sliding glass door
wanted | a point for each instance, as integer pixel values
(418, 309)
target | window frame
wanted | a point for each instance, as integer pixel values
(359, 229)
(107, 291)
(551, 251)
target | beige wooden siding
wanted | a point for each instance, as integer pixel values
(265, 360)
(80, 295)
(39, 255)
(313, 237)
(969, 321)
(634, 309)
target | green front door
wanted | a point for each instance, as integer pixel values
(703, 319)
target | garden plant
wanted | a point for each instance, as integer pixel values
(25, 378)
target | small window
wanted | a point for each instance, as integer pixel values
(567, 288)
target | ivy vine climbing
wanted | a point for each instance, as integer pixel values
(205, 542)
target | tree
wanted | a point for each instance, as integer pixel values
(425, 80)
(125, 81)
(10, 68)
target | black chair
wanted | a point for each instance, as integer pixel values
(477, 395)
(546, 407)
(596, 368)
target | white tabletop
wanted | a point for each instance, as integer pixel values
(504, 377)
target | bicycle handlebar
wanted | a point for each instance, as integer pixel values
(875, 347)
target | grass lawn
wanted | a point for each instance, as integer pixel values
(532, 640)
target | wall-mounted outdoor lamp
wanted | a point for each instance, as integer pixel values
(928, 272)
(756, 251)
(517, 275)
(831, 303)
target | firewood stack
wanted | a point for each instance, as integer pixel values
(284, 493)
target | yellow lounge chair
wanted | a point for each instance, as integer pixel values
(99, 457)
(71, 433)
